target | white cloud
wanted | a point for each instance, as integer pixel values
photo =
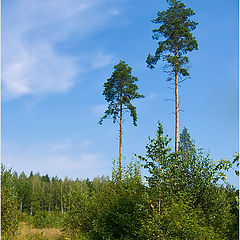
(64, 146)
(152, 96)
(36, 70)
(99, 109)
(81, 166)
(84, 143)
(101, 60)
(64, 158)
(84, 163)
(115, 12)
(31, 30)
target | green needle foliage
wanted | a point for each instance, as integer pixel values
(175, 29)
(119, 90)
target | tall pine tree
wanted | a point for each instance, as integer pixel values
(119, 90)
(175, 40)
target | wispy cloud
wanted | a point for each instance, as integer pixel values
(36, 70)
(152, 96)
(101, 60)
(99, 109)
(64, 146)
(64, 158)
(32, 62)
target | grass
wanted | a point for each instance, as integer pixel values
(28, 232)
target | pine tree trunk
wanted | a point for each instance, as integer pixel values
(61, 200)
(21, 205)
(120, 139)
(49, 204)
(177, 113)
(31, 210)
(176, 108)
(31, 201)
(159, 202)
(159, 197)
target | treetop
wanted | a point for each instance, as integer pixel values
(119, 90)
(175, 31)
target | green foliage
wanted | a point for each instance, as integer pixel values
(24, 191)
(44, 219)
(232, 196)
(191, 177)
(9, 205)
(183, 198)
(175, 29)
(236, 160)
(77, 219)
(121, 206)
(177, 220)
(119, 90)
(157, 159)
(110, 209)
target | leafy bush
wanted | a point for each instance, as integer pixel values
(109, 209)
(44, 219)
(9, 205)
(120, 211)
(78, 218)
(177, 220)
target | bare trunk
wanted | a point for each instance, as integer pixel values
(21, 206)
(61, 200)
(120, 139)
(176, 109)
(159, 197)
(49, 204)
(31, 210)
(32, 202)
(159, 203)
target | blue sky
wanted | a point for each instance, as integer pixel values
(57, 54)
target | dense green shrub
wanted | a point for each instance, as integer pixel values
(181, 200)
(108, 209)
(120, 211)
(177, 220)
(44, 219)
(9, 205)
(78, 217)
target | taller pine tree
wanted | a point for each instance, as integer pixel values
(175, 40)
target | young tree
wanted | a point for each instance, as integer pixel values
(158, 162)
(119, 90)
(9, 204)
(176, 41)
(24, 191)
(187, 180)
